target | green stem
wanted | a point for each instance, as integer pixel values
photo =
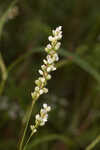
(28, 141)
(25, 130)
(93, 144)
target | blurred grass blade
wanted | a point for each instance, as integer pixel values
(4, 16)
(82, 63)
(94, 143)
(3, 73)
(73, 58)
(51, 137)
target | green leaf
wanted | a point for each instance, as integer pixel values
(4, 16)
(82, 63)
(51, 137)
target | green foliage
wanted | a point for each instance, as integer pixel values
(74, 90)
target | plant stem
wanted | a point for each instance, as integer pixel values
(93, 144)
(28, 141)
(25, 130)
(4, 73)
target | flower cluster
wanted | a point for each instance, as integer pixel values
(41, 119)
(48, 63)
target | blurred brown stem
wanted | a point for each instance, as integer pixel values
(3, 73)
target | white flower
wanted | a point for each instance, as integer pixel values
(45, 61)
(41, 118)
(49, 59)
(48, 77)
(38, 118)
(41, 72)
(42, 79)
(35, 94)
(49, 62)
(37, 88)
(45, 90)
(57, 46)
(42, 123)
(43, 67)
(49, 46)
(41, 91)
(55, 57)
(46, 107)
(34, 130)
(37, 82)
(45, 118)
(59, 28)
(50, 38)
(46, 68)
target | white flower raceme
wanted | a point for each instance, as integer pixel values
(49, 62)
(41, 118)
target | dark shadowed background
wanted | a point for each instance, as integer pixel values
(74, 90)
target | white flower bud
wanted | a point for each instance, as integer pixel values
(53, 68)
(48, 77)
(34, 130)
(45, 62)
(49, 59)
(43, 67)
(42, 79)
(37, 82)
(45, 90)
(50, 38)
(49, 46)
(41, 72)
(41, 91)
(48, 69)
(55, 57)
(37, 88)
(57, 46)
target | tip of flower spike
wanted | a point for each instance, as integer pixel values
(60, 27)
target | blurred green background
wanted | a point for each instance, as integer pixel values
(74, 90)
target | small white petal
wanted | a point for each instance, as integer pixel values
(48, 69)
(41, 72)
(37, 82)
(42, 123)
(35, 130)
(45, 105)
(49, 59)
(43, 67)
(45, 90)
(60, 27)
(41, 91)
(55, 57)
(45, 62)
(36, 88)
(49, 46)
(49, 108)
(57, 46)
(32, 127)
(42, 79)
(48, 77)
(50, 38)
(37, 116)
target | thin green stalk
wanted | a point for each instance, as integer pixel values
(93, 144)
(28, 141)
(25, 130)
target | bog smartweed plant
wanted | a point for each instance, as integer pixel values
(47, 67)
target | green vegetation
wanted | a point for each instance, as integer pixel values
(74, 90)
